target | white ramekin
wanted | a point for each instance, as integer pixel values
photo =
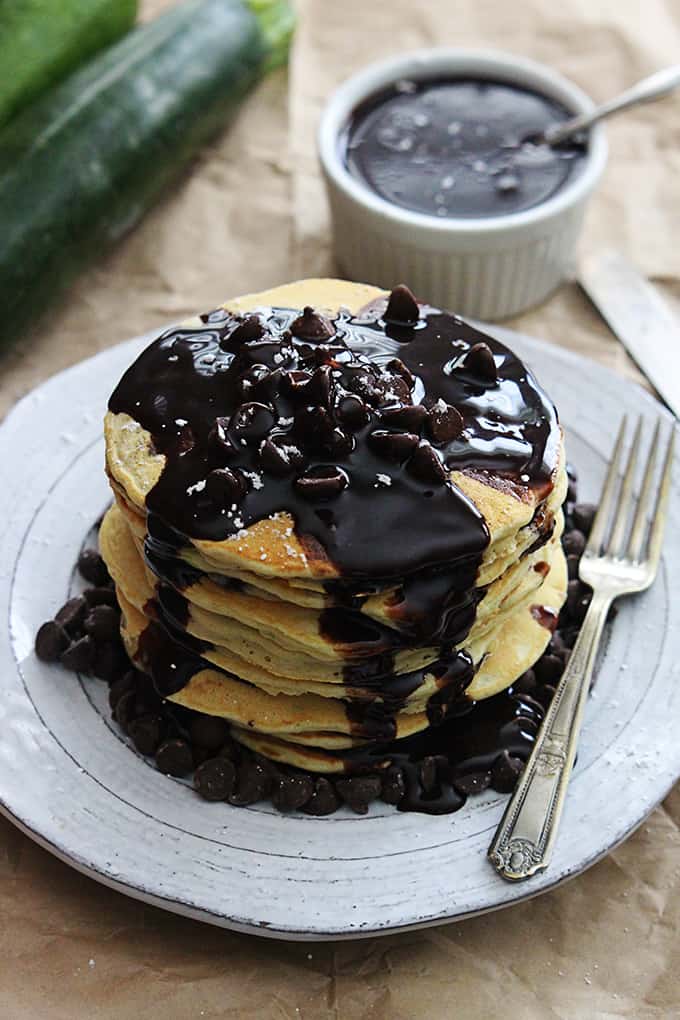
(488, 268)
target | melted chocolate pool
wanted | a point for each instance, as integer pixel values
(459, 148)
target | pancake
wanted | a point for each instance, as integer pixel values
(221, 634)
(337, 519)
(517, 643)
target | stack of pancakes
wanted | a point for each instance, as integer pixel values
(265, 625)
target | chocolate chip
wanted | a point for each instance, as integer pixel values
(79, 656)
(582, 607)
(92, 567)
(546, 694)
(505, 772)
(405, 416)
(322, 483)
(359, 791)
(319, 389)
(529, 708)
(569, 635)
(209, 731)
(474, 782)
(396, 390)
(311, 326)
(574, 542)
(252, 421)
(393, 785)
(548, 669)
(120, 686)
(291, 791)
(445, 423)
(147, 733)
(397, 366)
(322, 354)
(124, 711)
(337, 443)
(574, 592)
(174, 758)
(584, 515)
(184, 440)
(279, 456)
(253, 783)
(294, 383)
(100, 597)
(427, 774)
(225, 487)
(369, 386)
(426, 465)
(257, 383)
(109, 660)
(572, 567)
(526, 683)
(313, 427)
(269, 767)
(50, 641)
(556, 646)
(353, 412)
(72, 614)
(479, 362)
(215, 779)
(572, 491)
(324, 800)
(103, 623)
(402, 307)
(220, 441)
(394, 446)
(250, 329)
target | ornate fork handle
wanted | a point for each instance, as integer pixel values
(524, 841)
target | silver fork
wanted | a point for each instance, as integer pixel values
(615, 562)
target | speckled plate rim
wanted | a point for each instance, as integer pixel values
(88, 801)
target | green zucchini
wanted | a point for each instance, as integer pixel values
(41, 41)
(82, 165)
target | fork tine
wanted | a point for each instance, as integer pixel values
(639, 529)
(607, 497)
(659, 521)
(622, 513)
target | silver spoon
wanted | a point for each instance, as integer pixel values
(656, 86)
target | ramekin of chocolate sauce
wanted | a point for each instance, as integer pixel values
(434, 174)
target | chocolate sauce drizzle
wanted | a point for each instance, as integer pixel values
(461, 755)
(350, 426)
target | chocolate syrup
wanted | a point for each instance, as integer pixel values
(348, 425)
(374, 530)
(462, 751)
(459, 148)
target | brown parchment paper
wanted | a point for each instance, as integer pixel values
(251, 215)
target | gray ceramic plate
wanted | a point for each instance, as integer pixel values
(68, 779)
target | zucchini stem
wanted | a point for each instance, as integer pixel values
(277, 22)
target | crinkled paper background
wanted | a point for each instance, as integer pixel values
(251, 215)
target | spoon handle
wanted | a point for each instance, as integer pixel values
(656, 86)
